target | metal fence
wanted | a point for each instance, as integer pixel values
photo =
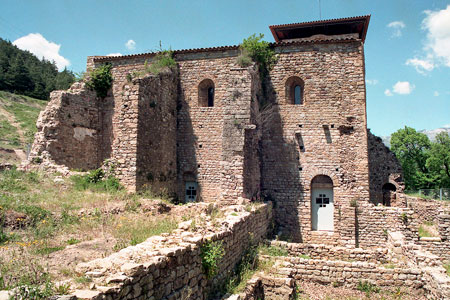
(437, 194)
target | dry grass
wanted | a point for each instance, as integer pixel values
(62, 225)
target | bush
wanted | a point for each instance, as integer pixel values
(164, 59)
(255, 49)
(100, 80)
(211, 254)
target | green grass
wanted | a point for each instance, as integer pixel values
(447, 268)
(9, 136)
(423, 232)
(273, 250)
(25, 111)
(47, 250)
(135, 230)
(246, 268)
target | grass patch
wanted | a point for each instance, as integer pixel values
(132, 231)
(424, 231)
(48, 250)
(272, 250)
(368, 288)
(246, 268)
(25, 111)
(447, 268)
(72, 241)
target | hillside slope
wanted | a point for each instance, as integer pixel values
(18, 115)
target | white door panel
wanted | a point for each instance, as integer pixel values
(322, 209)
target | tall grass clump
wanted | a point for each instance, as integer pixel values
(96, 180)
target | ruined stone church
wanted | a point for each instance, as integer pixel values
(200, 132)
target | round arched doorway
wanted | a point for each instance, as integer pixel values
(322, 203)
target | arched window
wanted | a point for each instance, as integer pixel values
(294, 90)
(206, 93)
(322, 203)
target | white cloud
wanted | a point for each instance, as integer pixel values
(437, 24)
(421, 65)
(403, 88)
(131, 45)
(371, 81)
(39, 46)
(388, 93)
(114, 54)
(446, 126)
(397, 27)
(436, 93)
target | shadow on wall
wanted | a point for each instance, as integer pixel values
(187, 163)
(280, 169)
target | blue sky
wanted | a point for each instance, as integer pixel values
(407, 48)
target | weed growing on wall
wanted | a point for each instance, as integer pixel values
(163, 59)
(211, 254)
(100, 80)
(255, 49)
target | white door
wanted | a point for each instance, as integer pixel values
(322, 208)
(191, 191)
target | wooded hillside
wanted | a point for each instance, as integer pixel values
(23, 73)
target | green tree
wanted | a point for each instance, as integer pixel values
(23, 73)
(412, 150)
(438, 161)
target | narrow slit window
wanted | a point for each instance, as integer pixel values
(210, 97)
(298, 95)
(206, 93)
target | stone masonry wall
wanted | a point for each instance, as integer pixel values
(156, 138)
(326, 135)
(211, 140)
(327, 252)
(170, 266)
(383, 168)
(350, 273)
(424, 209)
(440, 246)
(68, 129)
(375, 222)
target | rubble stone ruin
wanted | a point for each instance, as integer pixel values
(210, 130)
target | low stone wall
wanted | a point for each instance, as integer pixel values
(424, 209)
(170, 266)
(328, 252)
(434, 276)
(349, 274)
(437, 247)
(374, 223)
(263, 286)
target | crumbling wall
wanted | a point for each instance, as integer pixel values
(170, 266)
(375, 222)
(68, 130)
(326, 135)
(384, 168)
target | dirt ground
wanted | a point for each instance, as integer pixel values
(312, 291)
